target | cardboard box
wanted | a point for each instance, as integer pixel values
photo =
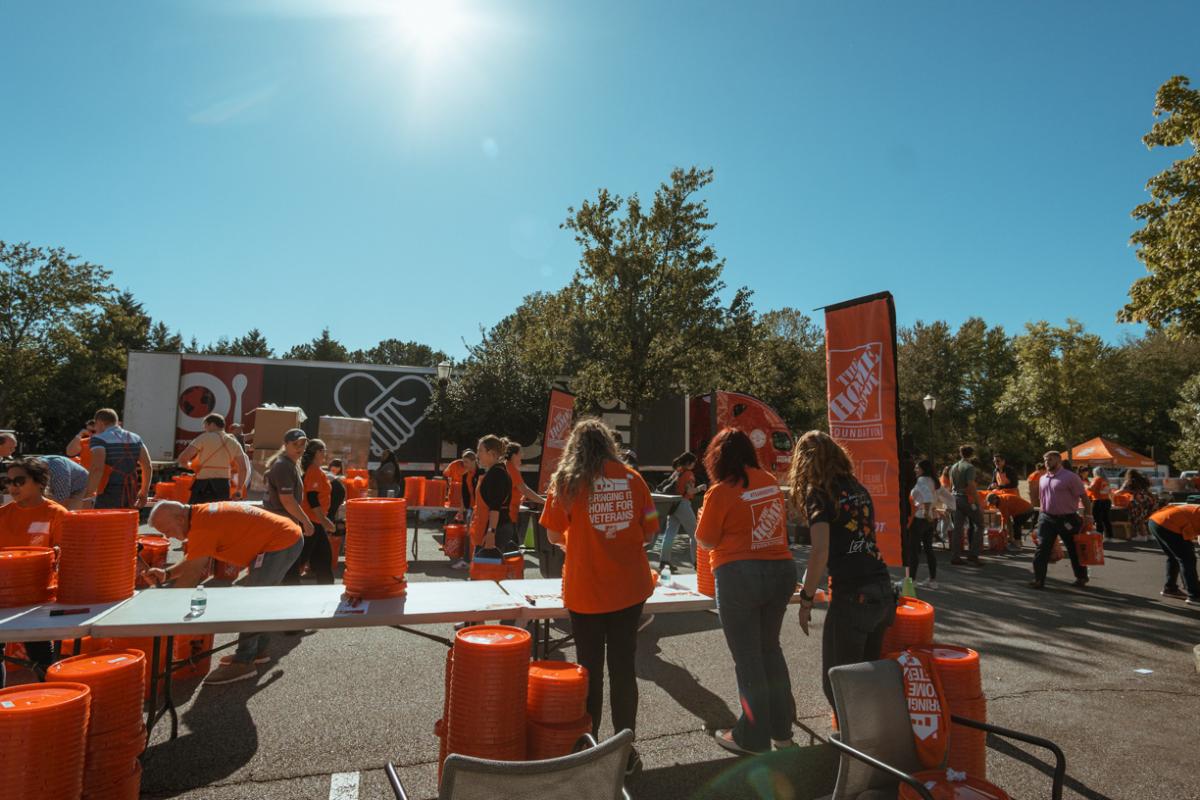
(347, 438)
(270, 424)
(1122, 530)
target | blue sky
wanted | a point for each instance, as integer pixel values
(394, 171)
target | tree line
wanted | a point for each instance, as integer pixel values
(647, 315)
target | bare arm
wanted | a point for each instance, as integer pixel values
(187, 455)
(186, 574)
(530, 494)
(95, 472)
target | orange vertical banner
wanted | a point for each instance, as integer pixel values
(554, 440)
(864, 404)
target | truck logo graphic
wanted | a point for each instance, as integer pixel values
(395, 410)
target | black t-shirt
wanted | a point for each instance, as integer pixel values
(496, 491)
(1010, 475)
(854, 558)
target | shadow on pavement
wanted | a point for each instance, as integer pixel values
(218, 734)
(683, 687)
(1009, 749)
(804, 773)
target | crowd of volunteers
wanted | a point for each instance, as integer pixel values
(600, 511)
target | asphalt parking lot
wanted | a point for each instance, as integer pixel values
(1107, 672)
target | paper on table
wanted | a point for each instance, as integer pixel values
(345, 609)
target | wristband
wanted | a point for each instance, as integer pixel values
(806, 597)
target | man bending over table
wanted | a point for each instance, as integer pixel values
(238, 534)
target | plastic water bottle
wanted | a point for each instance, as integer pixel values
(664, 577)
(199, 601)
(908, 590)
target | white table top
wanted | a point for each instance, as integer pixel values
(542, 598)
(34, 623)
(282, 608)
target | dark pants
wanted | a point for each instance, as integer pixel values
(1181, 557)
(854, 627)
(616, 633)
(268, 572)
(209, 490)
(1100, 509)
(752, 598)
(919, 536)
(1050, 527)
(317, 554)
(966, 512)
(1019, 522)
(40, 653)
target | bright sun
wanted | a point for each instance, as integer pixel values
(431, 29)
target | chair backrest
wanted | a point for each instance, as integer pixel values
(597, 773)
(872, 716)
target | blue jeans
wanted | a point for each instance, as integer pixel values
(752, 598)
(682, 517)
(269, 573)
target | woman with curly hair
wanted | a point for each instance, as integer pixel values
(1141, 505)
(602, 513)
(841, 520)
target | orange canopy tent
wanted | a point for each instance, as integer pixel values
(1101, 452)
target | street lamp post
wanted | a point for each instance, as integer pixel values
(930, 403)
(443, 378)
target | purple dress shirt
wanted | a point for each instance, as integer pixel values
(1059, 492)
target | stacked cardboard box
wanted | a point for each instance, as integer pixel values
(347, 438)
(270, 423)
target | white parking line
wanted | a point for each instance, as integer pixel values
(343, 786)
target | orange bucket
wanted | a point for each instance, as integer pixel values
(166, 490)
(25, 576)
(414, 488)
(488, 692)
(454, 494)
(968, 746)
(1090, 547)
(187, 649)
(913, 626)
(433, 492)
(117, 679)
(514, 568)
(376, 545)
(546, 740)
(488, 572)
(152, 553)
(454, 541)
(43, 740)
(557, 693)
(705, 583)
(99, 556)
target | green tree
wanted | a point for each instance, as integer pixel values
(161, 339)
(1061, 382)
(1186, 414)
(929, 364)
(646, 294)
(987, 362)
(1144, 387)
(251, 345)
(1169, 243)
(399, 353)
(40, 289)
(322, 348)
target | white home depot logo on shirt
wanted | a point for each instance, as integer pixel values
(610, 507)
(766, 510)
(856, 411)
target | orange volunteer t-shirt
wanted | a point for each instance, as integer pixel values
(1011, 505)
(1183, 519)
(237, 533)
(455, 470)
(744, 523)
(315, 480)
(606, 528)
(39, 526)
(1098, 489)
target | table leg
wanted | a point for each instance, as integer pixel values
(155, 713)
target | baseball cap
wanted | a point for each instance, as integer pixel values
(293, 435)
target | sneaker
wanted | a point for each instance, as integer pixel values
(231, 673)
(724, 737)
(1174, 593)
(460, 564)
(1193, 601)
(260, 657)
(930, 584)
(645, 622)
(634, 765)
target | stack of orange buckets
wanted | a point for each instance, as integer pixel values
(183, 487)
(913, 626)
(152, 552)
(433, 492)
(962, 688)
(705, 583)
(556, 709)
(25, 576)
(488, 691)
(414, 487)
(376, 548)
(99, 556)
(165, 490)
(454, 494)
(43, 740)
(116, 735)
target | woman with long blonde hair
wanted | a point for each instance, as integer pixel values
(602, 513)
(841, 519)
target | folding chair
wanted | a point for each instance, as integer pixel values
(876, 733)
(594, 773)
